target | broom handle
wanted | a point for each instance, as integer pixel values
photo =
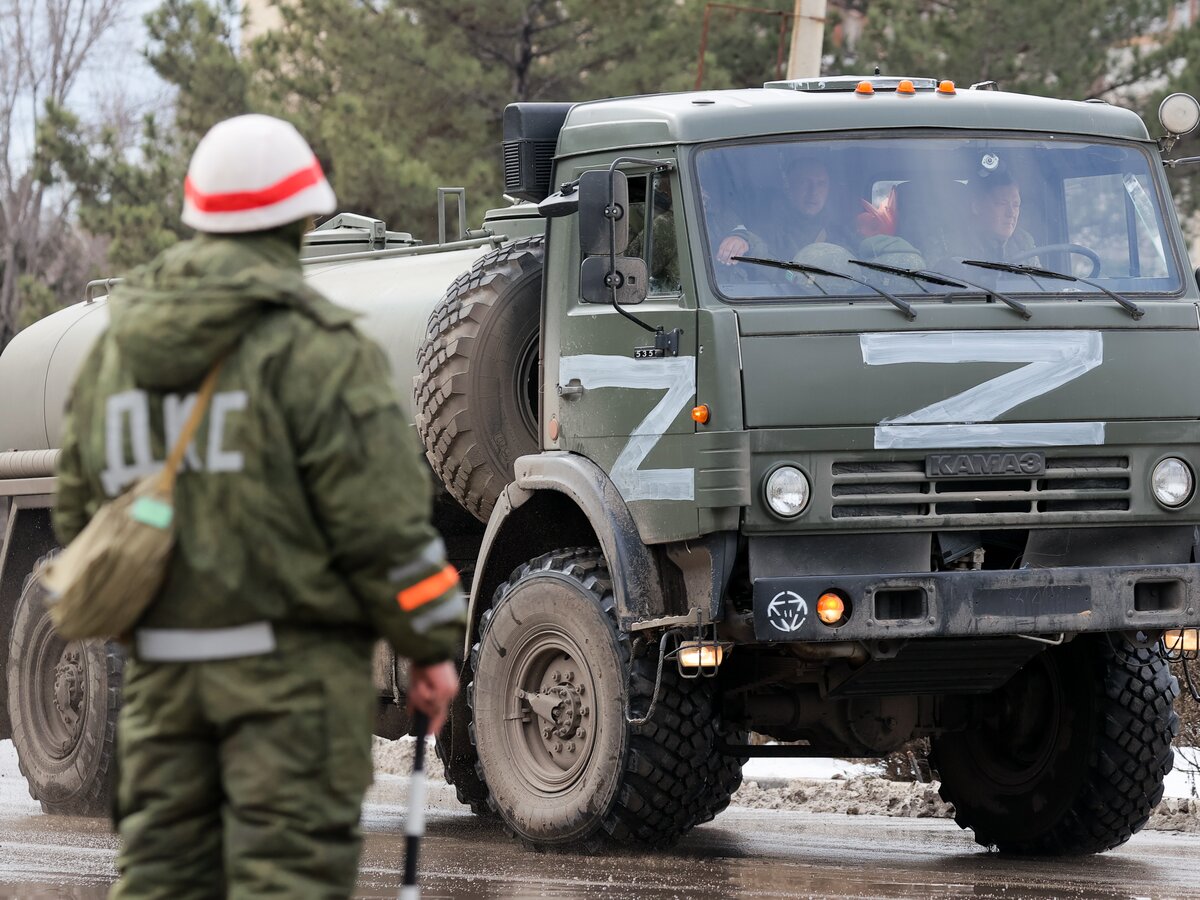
(415, 829)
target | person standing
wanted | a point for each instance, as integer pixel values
(303, 529)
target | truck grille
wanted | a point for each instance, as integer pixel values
(882, 490)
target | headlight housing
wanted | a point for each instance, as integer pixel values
(787, 491)
(1172, 482)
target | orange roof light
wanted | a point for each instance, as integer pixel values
(945, 87)
(700, 413)
(831, 608)
(864, 87)
(905, 87)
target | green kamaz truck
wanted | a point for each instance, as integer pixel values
(842, 411)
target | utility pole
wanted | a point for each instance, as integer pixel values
(808, 35)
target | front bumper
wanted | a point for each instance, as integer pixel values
(969, 603)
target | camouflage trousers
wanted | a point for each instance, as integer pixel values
(244, 778)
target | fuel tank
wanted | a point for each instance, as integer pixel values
(394, 292)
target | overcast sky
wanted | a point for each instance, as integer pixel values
(118, 82)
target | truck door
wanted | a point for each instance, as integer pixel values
(610, 396)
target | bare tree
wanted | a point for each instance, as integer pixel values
(45, 46)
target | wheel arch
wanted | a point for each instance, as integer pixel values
(560, 500)
(28, 537)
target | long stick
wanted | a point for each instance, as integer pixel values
(415, 829)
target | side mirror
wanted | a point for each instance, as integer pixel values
(630, 277)
(563, 203)
(1198, 276)
(595, 215)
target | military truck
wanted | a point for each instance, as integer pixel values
(932, 474)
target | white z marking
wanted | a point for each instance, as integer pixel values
(677, 376)
(967, 419)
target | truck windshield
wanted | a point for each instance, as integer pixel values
(1092, 210)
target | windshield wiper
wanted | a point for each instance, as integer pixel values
(919, 275)
(1036, 272)
(903, 305)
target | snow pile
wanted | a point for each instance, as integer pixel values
(1175, 814)
(868, 795)
(396, 758)
(871, 795)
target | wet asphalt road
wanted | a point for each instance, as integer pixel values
(744, 853)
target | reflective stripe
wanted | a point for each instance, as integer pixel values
(204, 644)
(432, 556)
(429, 589)
(415, 826)
(239, 201)
(454, 608)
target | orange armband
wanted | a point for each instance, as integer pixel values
(428, 589)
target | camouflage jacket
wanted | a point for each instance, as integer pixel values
(303, 499)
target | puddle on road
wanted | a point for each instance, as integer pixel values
(466, 859)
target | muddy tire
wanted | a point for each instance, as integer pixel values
(553, 677)
(63, 698)
(1070, 756)
(475, 394)
(456, 750)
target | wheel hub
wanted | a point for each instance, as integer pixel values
(553, 692)
(68, 689)
(560, 708)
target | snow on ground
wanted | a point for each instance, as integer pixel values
(852, 788)
(764, 769)
(395, 758)
(14, 792)
(812, 785)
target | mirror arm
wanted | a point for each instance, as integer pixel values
(611, 213)
(1182, 161)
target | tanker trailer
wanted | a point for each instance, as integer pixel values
(62, 697)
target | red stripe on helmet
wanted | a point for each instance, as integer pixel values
(240, 201)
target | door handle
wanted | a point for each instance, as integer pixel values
(572, 390)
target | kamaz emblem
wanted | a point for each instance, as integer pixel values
(960, 465)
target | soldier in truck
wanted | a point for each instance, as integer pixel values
(995, 211)
(804, 220)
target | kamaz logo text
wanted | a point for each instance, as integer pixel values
(957, 465)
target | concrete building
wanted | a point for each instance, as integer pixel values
(258, 17)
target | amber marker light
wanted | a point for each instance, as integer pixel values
(700, 655)
(1185, 641)
(905, 87)
(946, 87)
(831, 608)
(864, 87)
(700, 413)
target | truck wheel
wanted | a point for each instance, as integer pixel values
(457, 752)
(63, 697)
(476, 391)
(553, 673)
(1070, 756)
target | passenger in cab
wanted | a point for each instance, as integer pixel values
(804, 220)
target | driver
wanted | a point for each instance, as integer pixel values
(995, 210)
(805, 220)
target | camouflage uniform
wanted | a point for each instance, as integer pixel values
(302, 516)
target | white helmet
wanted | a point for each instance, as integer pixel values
(251, 173)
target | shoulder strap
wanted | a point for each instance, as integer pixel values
(166, 478)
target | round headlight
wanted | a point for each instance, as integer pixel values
(1172, 482)
(787, 491)
(1179, 114)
